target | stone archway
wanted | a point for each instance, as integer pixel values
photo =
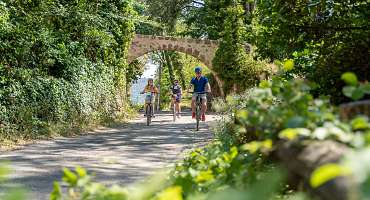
(204, 50)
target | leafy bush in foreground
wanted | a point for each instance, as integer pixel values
(242, 167)
(210, 173)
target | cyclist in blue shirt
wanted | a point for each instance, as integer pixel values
(200, 85)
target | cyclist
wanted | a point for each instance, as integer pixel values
(200, 85)
(150, 87)
(176, 96)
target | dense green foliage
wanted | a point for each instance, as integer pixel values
(235, 67)
(240, 165)
(62, 64)
(326, 38)
(318, 35)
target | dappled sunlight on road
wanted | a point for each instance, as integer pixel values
(117, 155)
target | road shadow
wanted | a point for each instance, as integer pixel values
(121, 155)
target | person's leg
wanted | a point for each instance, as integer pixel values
(172, 101)
(145, 108)
(178, 100)
(179, 107)
(152, 105)
(193, 106)
(204, 108)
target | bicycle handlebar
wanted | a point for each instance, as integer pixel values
(199, 92)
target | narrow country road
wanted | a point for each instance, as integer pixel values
(121, 155)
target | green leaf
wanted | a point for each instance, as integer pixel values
(70, 177)
(289, 133)
(265, 84)
(326, 173)
(348, 91)
(81, 171)
(360, 123)
(350, 78)
(357, 94)
(242, 115)
(56, 194)
(252, 147)
(205, 176)
(289, 65)
(365, 88)
(174, 193)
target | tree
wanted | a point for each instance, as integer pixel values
(326, 39)
(231, 62)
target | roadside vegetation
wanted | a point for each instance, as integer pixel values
(63, 66)
(295, 111)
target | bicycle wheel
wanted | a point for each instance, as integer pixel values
(197, 116)
(148, 114)
(174, 111)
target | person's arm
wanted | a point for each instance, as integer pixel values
(208, 87)
(142, 92)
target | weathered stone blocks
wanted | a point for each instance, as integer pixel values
(204, 50)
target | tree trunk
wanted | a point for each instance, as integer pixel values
(169, 65)
(219, 82)
(159, 87)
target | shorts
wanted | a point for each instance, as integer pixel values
(178, 98)
(203, 96)
(149, 99)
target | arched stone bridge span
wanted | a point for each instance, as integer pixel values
(204, 50)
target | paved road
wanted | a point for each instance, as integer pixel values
(121, 155)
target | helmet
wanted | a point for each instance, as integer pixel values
(197, 69)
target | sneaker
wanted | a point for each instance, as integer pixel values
(203, 117)
(178, 115)
(193, 115)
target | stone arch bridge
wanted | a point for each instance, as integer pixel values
(204, 50)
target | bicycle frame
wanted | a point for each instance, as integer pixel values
(173, 106)
(198, 107)
(149, 109)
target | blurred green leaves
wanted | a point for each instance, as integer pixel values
(350, 78)
(354, 89)
(327, 172)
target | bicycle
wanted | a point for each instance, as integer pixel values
(149, 108)
(175, 100)
(198, 107)
(174, 106)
